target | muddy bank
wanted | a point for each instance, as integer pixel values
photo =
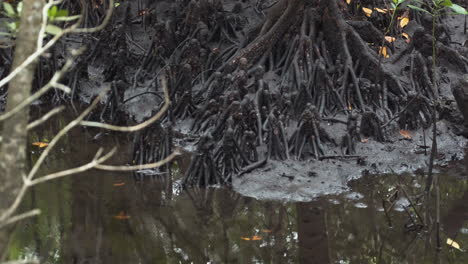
(275, 93)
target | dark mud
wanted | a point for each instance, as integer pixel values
(289, 96)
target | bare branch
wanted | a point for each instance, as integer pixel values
(37, 165)
(140, 167)
(72, 29)
(142, 125)
(52, 83)
(46, 117)
(94, 163)
(20, 217)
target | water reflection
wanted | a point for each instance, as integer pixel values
(102, 217)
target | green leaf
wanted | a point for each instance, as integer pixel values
(9, 9)
(400, 2)
(67, 18)
(53, 30)
(19, 8)
(5, 34)
(447, 3)
(458, 9)
(118, 4)
(52, 13)
(62, 13)
(393, 5)
(12, 26)
(417, 8)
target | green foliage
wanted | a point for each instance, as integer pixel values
(54, 15)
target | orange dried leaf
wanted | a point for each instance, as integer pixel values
(118, 184)
(121, 216)
(406, 37)
(383, 52)
(256, 238)
(365, 140)
(245, 238)
(389, 39)
(404, 21)
(367, 11)
(383, 11)
(40, 144)
(405, 133)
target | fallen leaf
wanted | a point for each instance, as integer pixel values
(453, 244)
(406, 37)
(383, 11)
(40, 144)
(121, 216)
(266, 231)
(348, 2)
(245, 238)
(404, 21)
(367, 11)
(383, 52)
(365, 140)
(118, 184)
(389, 39)
(256, 238)
(405, 133)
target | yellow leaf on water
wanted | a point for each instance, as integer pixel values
(245, 238)
(389, 39)
(40, 144)
(256, 238)
(405, 133)
(121, 216)
(453, 244)
(367, 11)
(404, 21)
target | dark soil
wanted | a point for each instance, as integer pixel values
(287, 94)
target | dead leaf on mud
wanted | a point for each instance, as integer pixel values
(383, 11)
(367, 11)
(246, 238)
(406, 37)
(389, 39)
(119, 184)
(256, 238)
(383, 52)
(267, 230)
(365, 140)
(405, 133)
(404, 22)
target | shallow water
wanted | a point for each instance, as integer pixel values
(102, 217)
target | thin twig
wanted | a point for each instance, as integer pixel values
(142, 125)
(45, 117)
(19, 217)
(140, 167)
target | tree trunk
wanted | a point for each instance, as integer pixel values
(13, 149)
